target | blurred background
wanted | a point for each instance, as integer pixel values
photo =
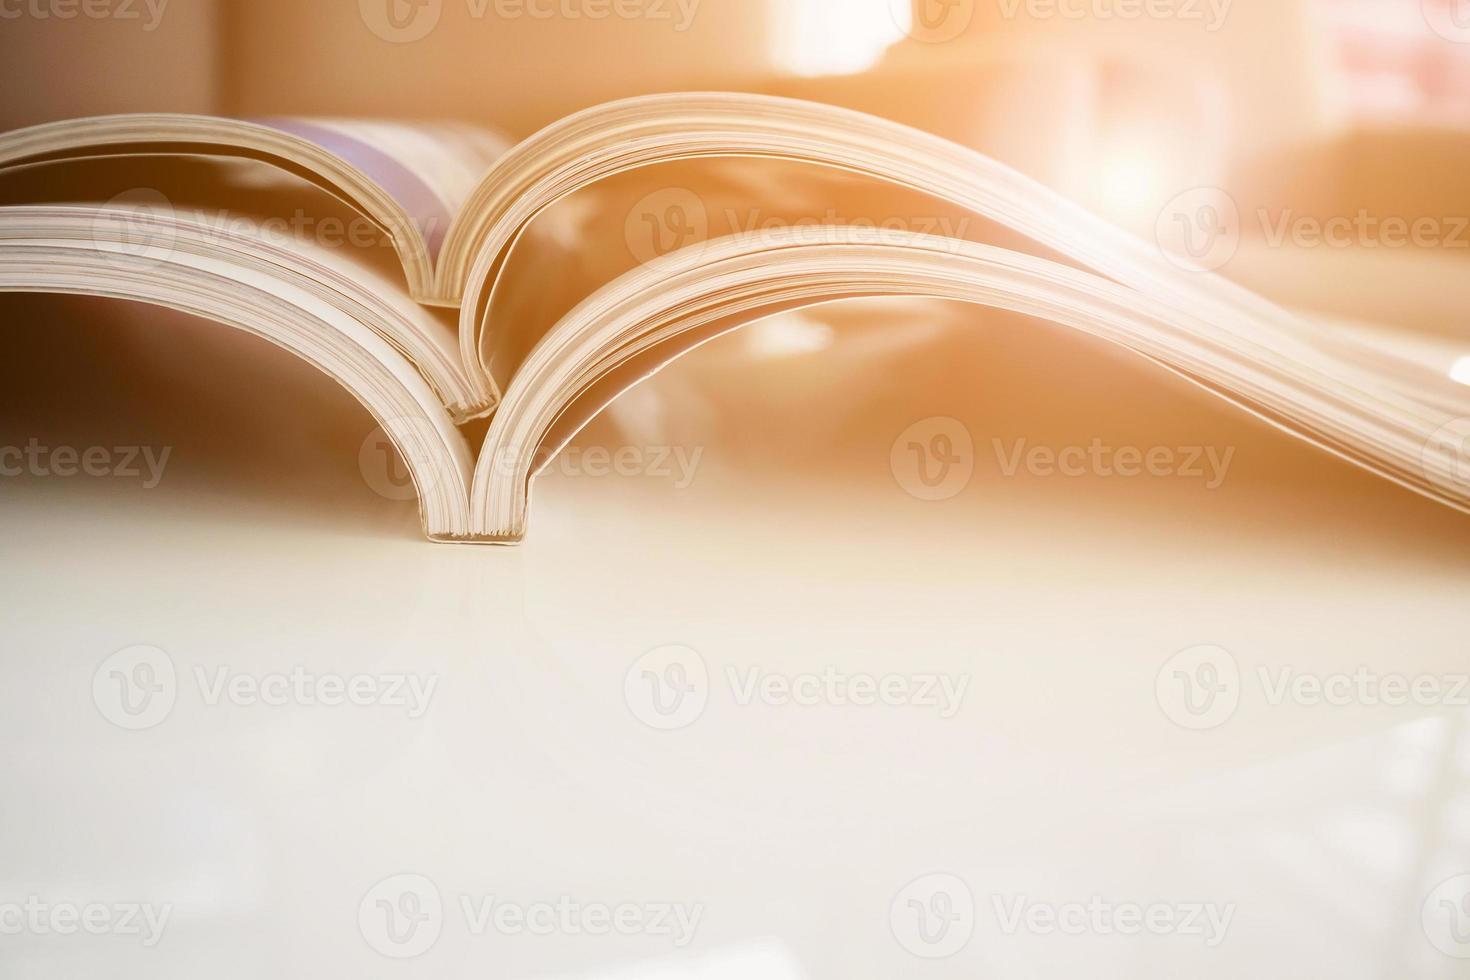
(1312, 109)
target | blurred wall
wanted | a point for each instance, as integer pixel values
(1262, 53)
(516, 64)
(521, 63)
(60, 59)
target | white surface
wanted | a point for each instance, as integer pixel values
(796, 830)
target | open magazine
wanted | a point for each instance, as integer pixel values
(547, 332)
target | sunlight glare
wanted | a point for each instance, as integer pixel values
(834, 37)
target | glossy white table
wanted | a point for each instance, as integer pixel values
(553, 801)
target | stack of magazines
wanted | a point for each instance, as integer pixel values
(460, 294)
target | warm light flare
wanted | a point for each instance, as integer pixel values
(1461, 371)
(834, 37)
